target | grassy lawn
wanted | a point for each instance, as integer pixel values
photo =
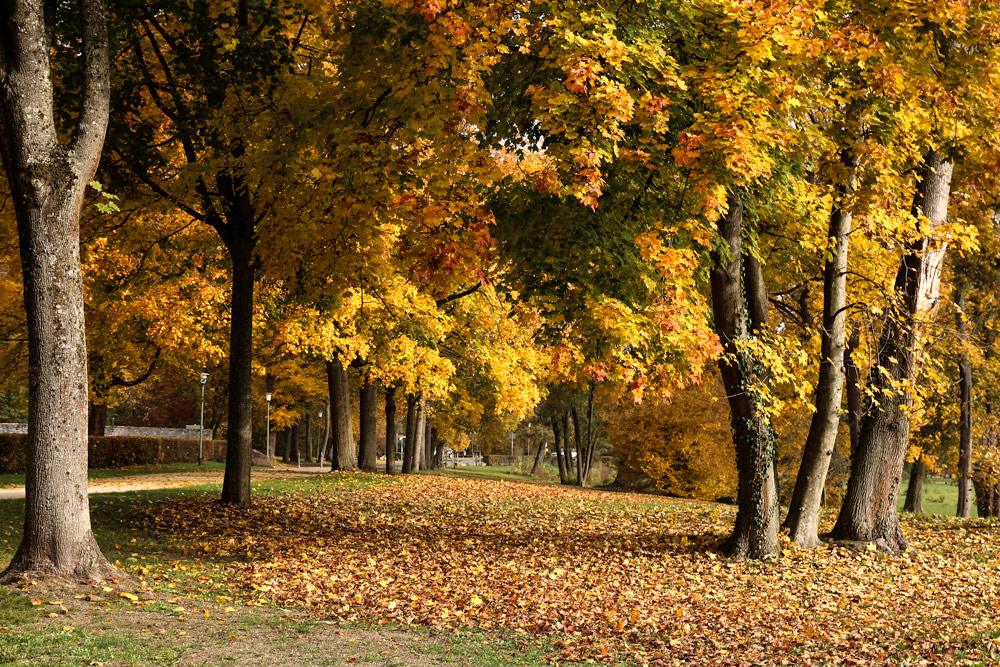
(442, 569)
(940, 497)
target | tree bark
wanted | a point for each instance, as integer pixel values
(239, 448)
(557, 445)
(803, 512)
(309, 437)
(390, 430)
(537, 465)
(438, 448)
(581, 478)
(368, 458)
(869, 512)
(426, 462)
(97, 418)
(987, 496)
(293, 444)
(852, 380)
(755, 534)
(915, 489)
(964, 508)
(418, 438)
(286, 451)
(410, 444)
(48, 180)
(326, 436)
(342, 456)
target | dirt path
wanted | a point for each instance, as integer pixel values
(172, 480)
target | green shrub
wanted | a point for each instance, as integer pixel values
(117, 451)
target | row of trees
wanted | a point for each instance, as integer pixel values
(477, 205)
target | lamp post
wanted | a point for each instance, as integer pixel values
(201, 430)
(267, 433)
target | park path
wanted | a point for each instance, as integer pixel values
(173, 480)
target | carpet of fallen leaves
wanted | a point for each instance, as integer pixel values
(612, 577)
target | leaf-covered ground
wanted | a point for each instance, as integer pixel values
(613, 577)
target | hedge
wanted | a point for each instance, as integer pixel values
(118, 451)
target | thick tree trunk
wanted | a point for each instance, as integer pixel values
(390, 430)
(368, 457)
(286, 451)
(964, 508)
(869, 512)
(342, 455)
(293, 442)
(239, 452)
(803, 512)
(755, 534)
(410, 443)
(915, 489)
(581, 456)
(47, 181)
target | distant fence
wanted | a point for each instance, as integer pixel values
(118, 451)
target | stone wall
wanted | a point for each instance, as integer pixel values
(186, 433)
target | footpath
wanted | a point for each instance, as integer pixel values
(172, 480)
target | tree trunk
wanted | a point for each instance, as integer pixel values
(964, 508)
(326, 435)
(309, 437)
(869, 512)
(852, 380)
(369, 419)
(438, 448)
(567, 455)
(418, 437)
(97, 418)
(425, 459)
(390, 430)
(537, 466)
(987, 496)
(580, 456)
(239, 454)
(342, 455)
(803, 512)
(755, 534)
(915, 489)
(48, 179)
(293, 440)
(410, 444)
(557, 445)
(286, 452)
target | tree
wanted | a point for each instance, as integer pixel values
(48, 181)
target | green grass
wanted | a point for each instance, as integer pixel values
(940, 497)
(17, 479)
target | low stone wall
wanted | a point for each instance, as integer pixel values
(186, 433)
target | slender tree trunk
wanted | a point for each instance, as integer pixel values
(48, 179)
(409, 445)
(309, 437)
(390, 430)
(438, 448)
(342, 454)
(803, 513)
(557, 445)
(326, 435)
(287, 449)
(852, 380)
(426, 462)
(418, 436)
(567, 455)
(915, 489)
(755, 534)
(581, 479)
(869, 512)
(964, 508)
(239, 448)
(591, 434)
(369, 420)
(539, 455)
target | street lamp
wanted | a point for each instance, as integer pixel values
(201, 431)
(267, 433)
